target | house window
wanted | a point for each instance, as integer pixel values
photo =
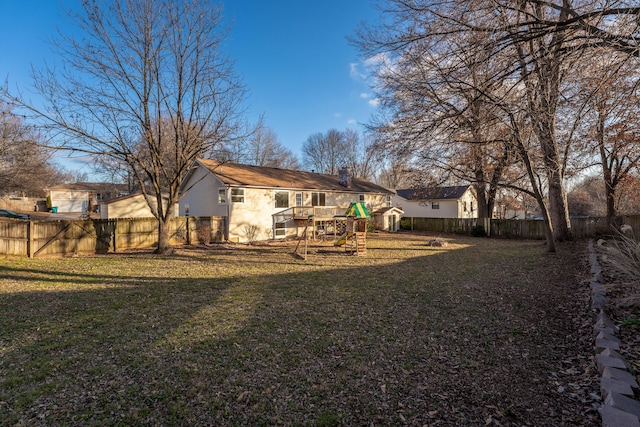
(464, 206)
(282, 199)
(299, 199)
(237, 195)
(318, 199)
(435, 205)
(389, 200)
(222, 196)
(280, 229)
(471, 206)
(361, 198)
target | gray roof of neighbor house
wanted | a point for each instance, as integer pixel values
(234, 174)
(438, 193)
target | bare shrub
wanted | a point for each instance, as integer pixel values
(252, 232)
(622, 254)
(204, 232)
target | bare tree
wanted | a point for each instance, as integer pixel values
(148, 83)
(610, 92)
(258, 147)
(527, 47)
(264, 149)
(325, 153)
(360, 156)
(25, 165)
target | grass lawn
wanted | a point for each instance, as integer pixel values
(478, 332)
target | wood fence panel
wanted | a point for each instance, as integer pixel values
(516, 229)
(63, 238)
(14, 237)
(634, 222)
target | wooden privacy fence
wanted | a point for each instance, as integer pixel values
(61, 238)
(521, 229)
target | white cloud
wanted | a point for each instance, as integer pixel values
(337, 115)
(375, 60)
(364, 95)
(374, 102)
(351, 122)
(355, 73)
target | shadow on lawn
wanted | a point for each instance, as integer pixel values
(331, 342)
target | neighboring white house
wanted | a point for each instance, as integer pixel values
(82, 196)
(441, 202)
(262, 203)
(130, 206)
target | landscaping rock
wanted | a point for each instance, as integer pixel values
(610, 385)
(624, 403)
(612, 417)
(621, 375)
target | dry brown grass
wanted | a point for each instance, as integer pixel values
(479, 332)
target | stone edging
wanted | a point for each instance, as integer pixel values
(617, 384)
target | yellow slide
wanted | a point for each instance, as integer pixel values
(342, 239)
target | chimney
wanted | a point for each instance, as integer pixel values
(344, 177)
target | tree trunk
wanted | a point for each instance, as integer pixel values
(482, 201)
(164, 247)
(558, 212)
(551, 242)
(545, 132)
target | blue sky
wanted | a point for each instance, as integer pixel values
(293, 56)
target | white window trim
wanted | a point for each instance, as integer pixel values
(301, 195)
(275, 201)
(283, 229)
(243, 196)
(318, 197)
(224, 191)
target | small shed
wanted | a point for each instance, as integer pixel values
(388, 219)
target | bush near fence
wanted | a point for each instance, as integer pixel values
(63, 238)
(517, 229)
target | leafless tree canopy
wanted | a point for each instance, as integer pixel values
(260, 147)
(148, 83)
(330, 151)
(25, 165)
(480, 88)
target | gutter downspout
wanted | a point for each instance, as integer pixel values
(228, 221)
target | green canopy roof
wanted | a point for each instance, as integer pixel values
(358, 209)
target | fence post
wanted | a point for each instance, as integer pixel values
(115, 237)
(30, 243)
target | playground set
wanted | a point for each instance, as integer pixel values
(353, 226)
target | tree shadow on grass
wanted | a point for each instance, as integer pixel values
(405, 341)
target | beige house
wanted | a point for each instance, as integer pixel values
(130, 206)
(262, 203)
(441, 202)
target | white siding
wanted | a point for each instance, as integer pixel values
(202, 195)
(70, 200)
(447, 208)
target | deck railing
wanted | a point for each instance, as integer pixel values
(306, 212)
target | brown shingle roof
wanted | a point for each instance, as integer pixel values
(259, 176)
